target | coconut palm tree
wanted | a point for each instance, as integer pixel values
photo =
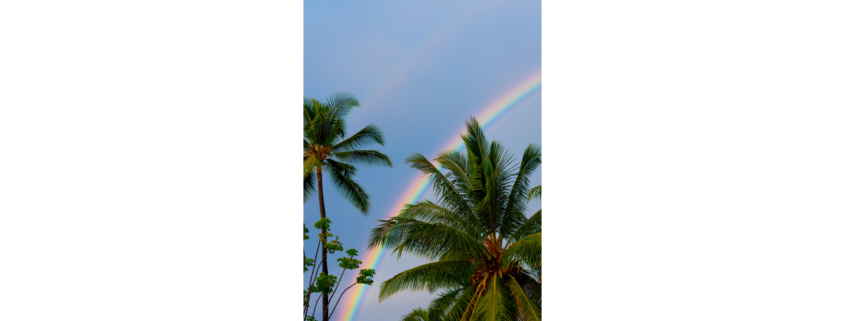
(327, 150)
(486, 251)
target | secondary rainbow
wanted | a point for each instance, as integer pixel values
(488, 116)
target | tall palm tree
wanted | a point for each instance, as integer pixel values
(327, 150)
(486, 251)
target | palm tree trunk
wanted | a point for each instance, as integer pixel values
(325, 251)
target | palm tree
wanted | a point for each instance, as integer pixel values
(486, 251)
(327, 150)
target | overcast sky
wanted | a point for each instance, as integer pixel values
(419, 69)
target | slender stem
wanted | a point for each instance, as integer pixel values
(315, 306)
(311, 279)
(315, 278)
(335, 288)
(338, 299)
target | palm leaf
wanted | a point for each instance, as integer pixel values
(366, 136)
(518, 200)
(444, 301)
(430, 212)
(532, 287)
(364, 157)
(430, 241)
(527, 251)
(496, 303)
(532, 225)
(310, 187)
(443, 188)
(461, 305)
(526, 308)
(340, 103)
(310, 165)
(418, 314)
(534, 193)
(431, 277)
(310, 107)
(459, 173)
(341, 175)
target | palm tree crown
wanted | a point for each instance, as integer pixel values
(326, 149)
(486, 250)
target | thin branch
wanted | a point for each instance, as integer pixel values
(311, 278)
(335, 288)
(338, 299)
(315, 306)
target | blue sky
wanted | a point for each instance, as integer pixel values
(419, 69)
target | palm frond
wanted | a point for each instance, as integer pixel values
(310, 165)
(430, 241)
(364, 157)
(532, 225)
(310, 187)
(444, 301)
(517, 202)
(341, 175)
(364, 137)
(496, 303)
(430, 212)
(389, 233)
(311, 129)
(443, 188)
(336, 132)
(459, 173)
(340, 103)
(532, 287)
(417, 314)
(431, 277)
(527, 251)
(476, 142)
(458, 311)
(534, 193)
(526, 308)
(310, 107)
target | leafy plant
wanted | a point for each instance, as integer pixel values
(486, 251)
(326, 284)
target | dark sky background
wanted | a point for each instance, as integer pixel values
(419, 69)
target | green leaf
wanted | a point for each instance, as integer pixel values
(526, 308)
(527, 251)
(431, 276)
(349, 188)
(496, 303)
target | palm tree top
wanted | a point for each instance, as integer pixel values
(327, 149)
(486, 251)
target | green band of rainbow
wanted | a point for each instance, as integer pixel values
(414, 191)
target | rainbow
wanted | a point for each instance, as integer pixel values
(489, 115)
(426, 43)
